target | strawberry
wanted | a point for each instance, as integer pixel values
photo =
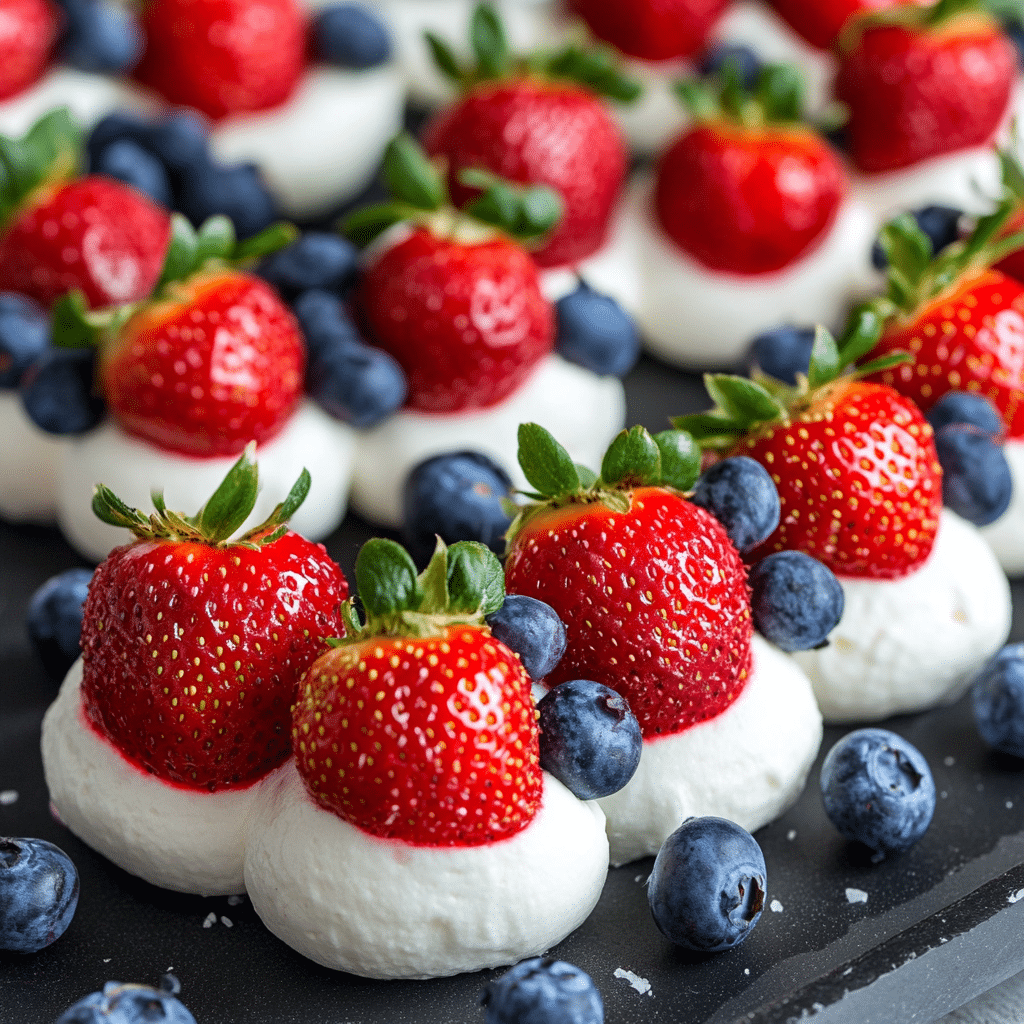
(223, 56)
(748, 189)
(457, 304)
(924, 81)
(419, 725)
(651, 29)
(822, 23)
(59, 232)
(192, 644)
(536, 123)
(652, 592)
(28, 29)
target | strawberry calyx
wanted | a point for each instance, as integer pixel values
(915, 17)
(597, 68)
(776, 98)
(219, 518)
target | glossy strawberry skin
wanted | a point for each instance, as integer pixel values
(913, 95)
(205, 372)
(223, 56)
(858, 480)
(655, 604)
(651, 29)
(93, 233)
(467, 322)
(27, 31)
(429, 741)
(748, 201)
(545, 134)
(971, 339)
(192, 653)
(821, 23)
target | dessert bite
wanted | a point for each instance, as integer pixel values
(170, 723)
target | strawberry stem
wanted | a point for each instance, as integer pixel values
(775, 98)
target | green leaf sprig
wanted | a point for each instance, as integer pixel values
(916, 17)
(775, 98)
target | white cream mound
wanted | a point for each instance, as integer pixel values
(384, 909)
(657, 116)
(29, 465)
(584, 412)
(1006, 535)
(189, 841)
(133, 468)
(906, 645)
(322, 147)
(698, 318)
(748, 764)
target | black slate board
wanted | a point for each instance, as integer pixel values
(939, 925)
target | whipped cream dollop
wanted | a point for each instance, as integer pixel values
(89, 97)
(30, 461)
(1006, 535)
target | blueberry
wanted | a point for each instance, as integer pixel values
(128, 162)
(998, 698)
(746, 61)
(878, 790)
(966, 407)
(783, 352)
(740, 494)
(235, 190)
(100, 37)
(24, 336)
(795, 601)
(57, 391)
(350, 36)
(356, 384)
(708, 885)
(940, 223)
(976, 481)
(324, 322)
(456, 496)
(130, 1004)
(317, 259)
(38, 894)
(543, 991)
(594, 332)
(1015, 31)
(180, 140)
(533, 630)
(589, 739)
(54, 619)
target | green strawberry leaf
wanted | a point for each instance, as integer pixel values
(680, 459)
(632, 458)
(476, 579)
(73, 327)
(410, 175)
(587, 477)
(445, 60)
(369, 222)
(710, 426)
(386, 579)
(907, 247)
(234, 499)
(741, 399)
(700, 99)
(350, 620)
(525, 212)
(273, 237)
(884, 363)
(826, 362)
(545, 463)
(277, 521)
(215, 240)
(433, 581)
(863, 330)
(182, 250)
(540, 209)
(109, 508)
(780, 90)
(597, 69)
(489, 43)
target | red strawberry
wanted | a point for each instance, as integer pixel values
(745, 192)
(420, 726)
(192, 644)
(822, 22)
(27, 31)
(924, 83)
(223, 56)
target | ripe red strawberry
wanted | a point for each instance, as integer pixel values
(420, 726)
(192, 644)
(822, 22)
(922, 83)
(59, 233)
(748, 189)
(223, 56)
(27, 31)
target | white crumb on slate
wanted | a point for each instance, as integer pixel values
(943, 794)
(775, 906)
(949, 761)
(107, 959)
(746, 970)
(227, 922)
(639, 878)
(856, 896)
(8, 797)
(791, 834)
(1009, 805)
(1017, 896)
(210, 920)
(642, 985)
(234, 901)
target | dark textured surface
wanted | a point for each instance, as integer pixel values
(940, 924)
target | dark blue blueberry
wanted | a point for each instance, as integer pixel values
(57, 391)
(325, 323)
(350, 36)
(316, 259)
(708, 885)
(543, 991)
(966, 407)
(456, 496)
(1015, 30)
(24, 336)
(54, 619)
(940, 223)
(235, 190)
(356, 384)
(129, 162)
(593, 331)
(795, 601)
(976, 481)
(100, 36)
(130, 1004)
(998, 698)
(38, 894)
(589, 739)
(533, 630)
(740, 494)
(179, 139)
(783, 352)
(743, 57)
(878, 790)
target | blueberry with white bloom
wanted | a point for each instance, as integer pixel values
(783, 352)
(966, 409)
(315, 260)
(595, 332)
(235, 190)
(878, 790)
(38, 894)
(129, 162)
(940, 223)
(795, 600)
(120, 1003)
(743, 58)
(998, 700)
(350, 35)
(543, 991)
(590, 740)
(54, 619)
(58, 394)
(976, 480)
(100, 36)
(741, 495)
(533, 630)
(24, 336)
(708, 886)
